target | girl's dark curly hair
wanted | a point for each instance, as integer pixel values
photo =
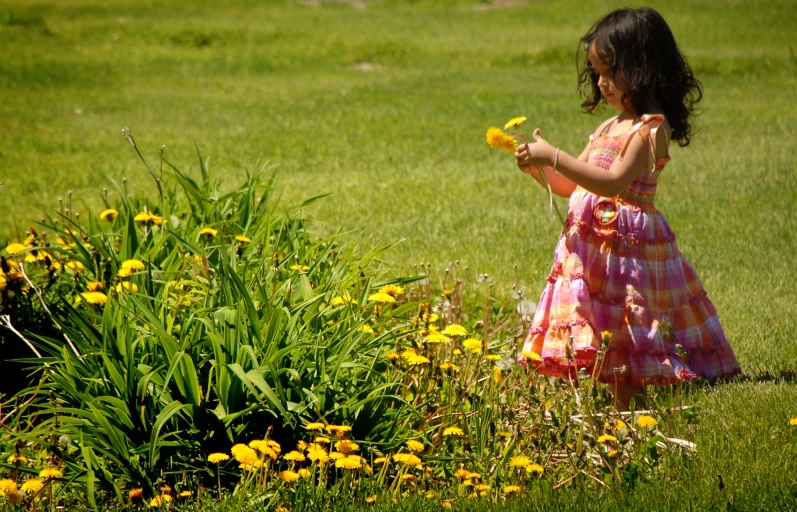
(639, 48)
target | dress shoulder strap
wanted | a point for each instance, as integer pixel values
(647, 127)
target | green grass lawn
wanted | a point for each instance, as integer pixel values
(384, 104)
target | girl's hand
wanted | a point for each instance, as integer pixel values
(538, 154)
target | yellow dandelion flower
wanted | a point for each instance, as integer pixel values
(646, 421)
(455, 330)
(143, 217)
(17, 458)
(793, 422)
(415, 446)
(457, 352)
(243, 238)
(346, 446)
(8, 486)
(322, 440)
(481, 487)
(430, 318)
(392, 290)
(408, 477)
(383, 298)
(50, 473)
(606, 336)
(109, 214)
(126, 286)
(370, 499)
(606, 438)
(509, 489)
(408, 459)
(281, 509)
(497, 377)
(447, 505)
(416, 359)
(381, 460)
(14, 248)
(505, 433)
(94, 286)
(74, 266)
(531, 356)
(453, 431)
(252, 467)
(534, 468)
(135, 494)
(365, 328)
(318, 455)
(338, 428)
(243, 454)
(299, 268)
(314, 426)
(301, 445)
(294, 456)
(336, 455)
(343, 299)
(392, 356)
(612, 453)
(436, 337)
(472, 345)
(492, 357)
(133, 264)
(508, 143)
(94, 297)
(448, 366)
(166, 489)
(515, 122)
(216, 458)
(519, 461)
(289, 476)
(210, 232)
(157, 220)
(158, 501)
(185, 494)
(304, 473)
(274, 445)
(494, 136)
(349, 462)
(125, 272)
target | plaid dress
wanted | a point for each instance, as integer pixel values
(618, 274)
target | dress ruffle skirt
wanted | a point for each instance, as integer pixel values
(617, 271)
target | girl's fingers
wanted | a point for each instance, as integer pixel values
(536, 134)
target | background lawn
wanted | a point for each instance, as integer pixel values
(385, 104)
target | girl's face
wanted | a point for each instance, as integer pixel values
(609, 89)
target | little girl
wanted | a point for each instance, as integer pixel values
(621, 300)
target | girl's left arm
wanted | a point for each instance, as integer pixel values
(596, 179)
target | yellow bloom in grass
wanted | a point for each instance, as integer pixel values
(392, 290)
(143, 217)
(281, 509)
(365, 328)
(793, 422)
(508, 143)
(216, 458)
(210, 232)
(242, 238)
(408, 459)
(618, 425)
(166, 489)
(447, 505)
(408, 478)
(436, 337)
(494, 136)
(455, 330)
(252, 467)
(497, 377)
(481, 487)
(531, 356)
(472, 345)
(314, 426)
(304, 473)
(94, 297)
(383, 298)
(646, 421)
(322, 440)
(299, 268)
(448, 366)
(461, 473)
(125, 272)
(612, 453)
(338, 429)
(158, 501)
(336, 455)
(473, 476)
(133, 264)
(415, 446)
(346, 446)
(453, 431)
(156, 219)
(8, 486)
(349, 462)
(126, 286)
(343, 299)
(109, 214)
(318, 455)
(301, 445)
(492, 357)
(416, 359)
(370, 499)
(17, 458)
(519, 461)
(50, 473)
(392, 356)
(509, 489)
(505, 434)
(294, 455)
(74, 266)
(14, 248)
(185, 494)
(457, 352)
(94, 286)
(289, 476)
(135, 494)
(534, 468)
(431, 317)
(606, 438)
(381, 460)
(244, 454)
(515, 122)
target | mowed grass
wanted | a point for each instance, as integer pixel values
(385, 104)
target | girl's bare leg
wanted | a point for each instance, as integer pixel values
(623, 395)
